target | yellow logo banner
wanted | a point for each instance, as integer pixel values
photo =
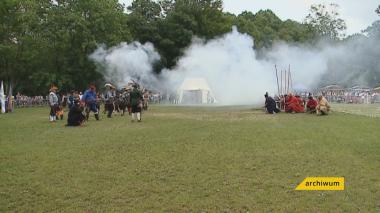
(321, 183)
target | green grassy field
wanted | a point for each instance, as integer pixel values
(369, 110)
(183, 159)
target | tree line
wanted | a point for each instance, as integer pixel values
(48, 41)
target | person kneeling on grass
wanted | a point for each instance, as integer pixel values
(75, 116)
(270, 105)
(323, 107)
(311, 105)
(293, 105)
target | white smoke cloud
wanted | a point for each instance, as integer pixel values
(127, 62)
(306, 64)
(237, 76)
(229, 64)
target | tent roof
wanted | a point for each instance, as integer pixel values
(195, 84)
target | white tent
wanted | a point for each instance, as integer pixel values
(195, 91)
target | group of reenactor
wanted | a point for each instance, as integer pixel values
(130, 98)
(296, 104)
(134, 100)
(116, 101)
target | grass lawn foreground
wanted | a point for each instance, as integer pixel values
(188, 159)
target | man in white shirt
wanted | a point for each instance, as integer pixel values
(53, 103)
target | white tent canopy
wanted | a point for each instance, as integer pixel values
(195, 91)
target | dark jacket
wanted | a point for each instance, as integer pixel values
(270, 105)
(135, 97)
(75, 116)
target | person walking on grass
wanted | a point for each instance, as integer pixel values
(53, 103)
(109, 98)
(136, 102)
(89, 98)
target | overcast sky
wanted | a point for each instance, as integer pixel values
(358, 14)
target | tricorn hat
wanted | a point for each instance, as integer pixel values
(109, 85)
(53, 87)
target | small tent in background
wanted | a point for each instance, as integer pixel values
(195, 91)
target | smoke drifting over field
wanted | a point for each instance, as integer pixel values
(125, 62)
(230, 66)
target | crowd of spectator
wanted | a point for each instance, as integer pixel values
(354, 98)
(27, 101)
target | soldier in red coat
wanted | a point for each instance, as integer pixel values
(300, 101)
(311, 105)
(293, 105)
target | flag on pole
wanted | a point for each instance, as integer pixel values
(2, 98)
(10, 104)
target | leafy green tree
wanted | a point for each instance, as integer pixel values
(326, 21)
(204, 18)
(148, 9)
(295, 32)
(186, 19)
(21, 39)
(166, 6)
(266, 28)
(143, 20)
(75, 29)
(45, 42)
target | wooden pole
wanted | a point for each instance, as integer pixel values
(278, 86)
(290, 85)
(285, 82)
(281, 84)
(290, 82)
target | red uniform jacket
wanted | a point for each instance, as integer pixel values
(311, 104)
(300, 101)
(294, 105)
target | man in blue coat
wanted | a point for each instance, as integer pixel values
(89, 99)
